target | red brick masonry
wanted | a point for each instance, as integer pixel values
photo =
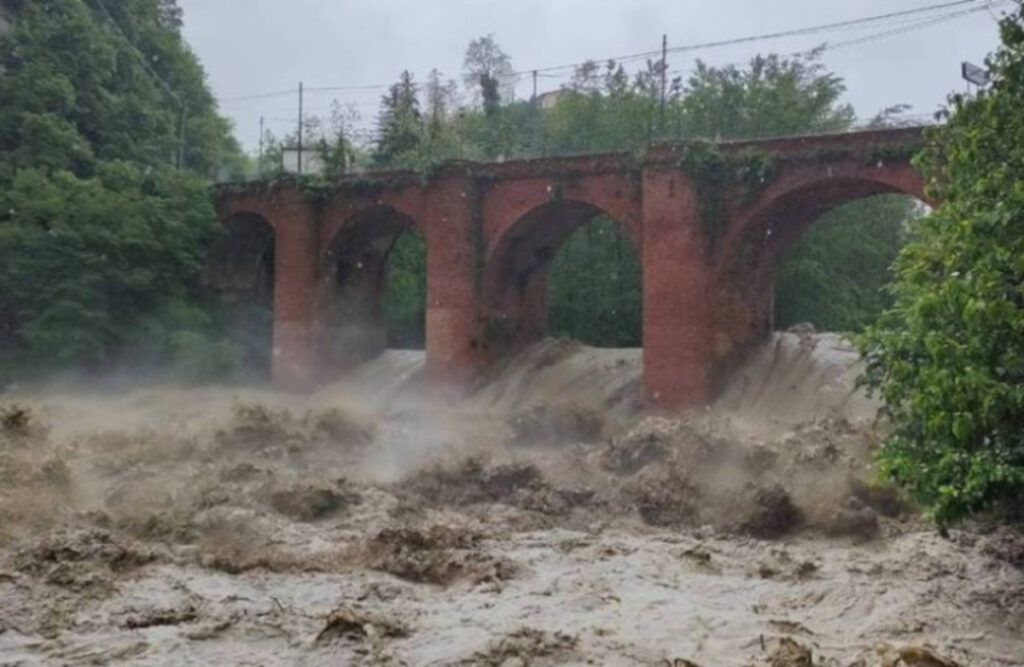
(709, 248)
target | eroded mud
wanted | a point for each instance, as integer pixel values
(509, 528)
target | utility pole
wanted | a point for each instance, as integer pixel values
(535, 117)
(664, 72)
(259, 164)
(300, 129)
(462, 134)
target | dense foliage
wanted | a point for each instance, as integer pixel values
(102, 238)
(948, 357)
(405, 299)
(400, 126)
(595, 294)
(835, 275)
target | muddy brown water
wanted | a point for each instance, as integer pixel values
(541, 520)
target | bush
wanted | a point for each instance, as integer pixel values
(948, 357)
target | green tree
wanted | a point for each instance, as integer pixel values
(405, 299)
(332, 139)
(485, 61)
(948, 357)
(600, 109)
(772, 96)
(102, 238)
(594, 289)
(441, 141)
(835, 276)
(399, 125)
(498, 127)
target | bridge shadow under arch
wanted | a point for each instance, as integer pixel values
(239, 271)
(352, 323)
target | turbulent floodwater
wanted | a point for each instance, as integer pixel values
(541, 520)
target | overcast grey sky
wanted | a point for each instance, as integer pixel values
(262, 46)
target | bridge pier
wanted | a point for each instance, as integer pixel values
(454, 246)
(676, 319)
(293, 360)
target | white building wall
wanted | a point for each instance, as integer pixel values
(312, 162)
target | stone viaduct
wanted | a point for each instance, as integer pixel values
(709, 221)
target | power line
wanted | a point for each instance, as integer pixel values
(180, 153)
(905, 29)
(828, 27)
(330, 89)
(890, 17)
(259, 96)
(907, 20)
(293, 91)
(906, 25)
(917, 24)
(770, 36)
(138, 54)
(989, 5)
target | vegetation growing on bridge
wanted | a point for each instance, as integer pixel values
(720, 175)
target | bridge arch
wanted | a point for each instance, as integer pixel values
(239, 270)
(834, 275)
(707, 253)
(514, 289)
(353, 273)
(764, 232)
(242, 257)
(787, 210)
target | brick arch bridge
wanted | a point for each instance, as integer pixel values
(710, 223)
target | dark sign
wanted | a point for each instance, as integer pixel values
(974, 74)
